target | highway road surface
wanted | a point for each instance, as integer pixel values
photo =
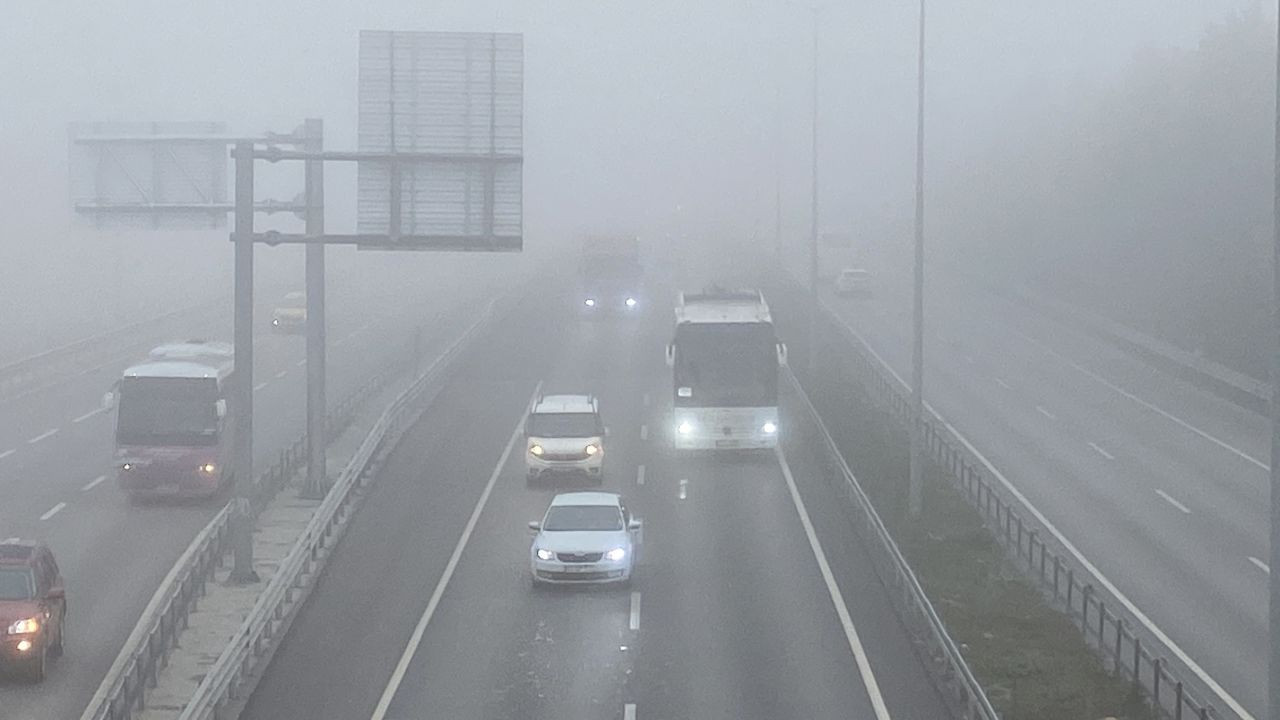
(58, 484)
(1163, 486)
(426, 609)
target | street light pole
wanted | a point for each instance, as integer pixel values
(813, 212)
(1273, 666)
(242, 519)
(915, 490)
(317, 439)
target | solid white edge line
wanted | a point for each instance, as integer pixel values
(634, 621)
(1170, 499)
(1260, 565)
(629, 711)
(93, 483)
(406, 657)
(837, 598)
(281, 374)
(1101, 451)
(53, 511)
(640, 475)
(1067, 545)
(1150, 406)
(89, 414)
(42, 436)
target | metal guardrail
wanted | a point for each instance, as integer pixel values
(18, 376)
(233, 677)
(122, 692)
(946, 665)
(1128, 642)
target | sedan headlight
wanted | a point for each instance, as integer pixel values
(769, 428)
(536, 450)
(208, 468)
(684, 428)
(24, 627)
(631, 302)
(616, 554)
(589, 302)
(591, 449)
(544, 554)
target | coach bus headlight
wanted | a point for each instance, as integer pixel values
(208, 468)
(631, 302)
(684, 428)
(589, 302)
(769, 428)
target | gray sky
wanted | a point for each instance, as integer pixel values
(632, 109)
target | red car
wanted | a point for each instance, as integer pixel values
(33, 608)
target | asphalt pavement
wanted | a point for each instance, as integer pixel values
(1161, 485)
(426, 609)
(59, 486)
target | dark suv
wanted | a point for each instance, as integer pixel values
(33, 607)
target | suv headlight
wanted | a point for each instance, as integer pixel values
(589, 302)
(591, 449)
(208, 468)
(24, 627)
(536, 450)
(631, 302)
(616, 554)
(544, 554)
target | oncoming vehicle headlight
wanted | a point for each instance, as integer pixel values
(208, 468)
(769, 428)
(127, 466)
(24, 645)
(275, 321)
(616, 554)
(536, 450)
(684, 428)
(544, 554)
(24, 627)
(631, 302)
(591, 449)
(589, 302)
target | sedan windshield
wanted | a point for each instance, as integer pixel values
(16, 584)
(583, 517)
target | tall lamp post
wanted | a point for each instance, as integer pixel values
(915, 490)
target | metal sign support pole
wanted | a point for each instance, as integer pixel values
(317, 437)
(813, 212)
(915, 490)
(242, 519)
(1273, 580)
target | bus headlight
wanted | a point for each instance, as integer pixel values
(631, 302)
(208, 468)
(684, 428)
(589, 302)
(591, 449)
(769, 428)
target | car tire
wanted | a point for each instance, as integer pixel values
(57, 649)
(37, 667)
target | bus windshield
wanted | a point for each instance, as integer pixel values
(726, 365)
(168, 411)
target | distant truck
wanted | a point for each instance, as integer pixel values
(174, 435)
(610, 276)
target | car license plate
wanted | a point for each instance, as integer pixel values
(727, 443)
(577, 568)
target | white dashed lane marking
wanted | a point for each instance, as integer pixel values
(640, 475)
(301, 362)
(684, 488)
(644, 432)
(1046, 413)
(259, 386)
(1260, 565)
(42, 436)
(629, 711)
(1101, 451)
(93, 483)
(281, 374)
(7, 453)
(634, 621)
(89, 414)
(53, 511)
(1169, 499)
(1003, 384)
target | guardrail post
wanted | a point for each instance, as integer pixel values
(1155, 683)
(1084, 611)
(1102, 624)
(1137, 660)
(1071, 586)
(1119, 642)
(1177, 701)
(1057, 567)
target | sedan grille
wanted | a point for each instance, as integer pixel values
(579, 557)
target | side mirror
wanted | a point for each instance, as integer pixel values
(635, 524)
(535, 526)
(782, 353)
(220, 407)
(671, 355)
(108, 401)
(56, 593)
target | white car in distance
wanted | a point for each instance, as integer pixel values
(853, 281)
(585, 538)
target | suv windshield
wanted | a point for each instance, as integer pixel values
(583, 517)
(565, 425)
(16, 584)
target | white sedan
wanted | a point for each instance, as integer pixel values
(585, 537)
